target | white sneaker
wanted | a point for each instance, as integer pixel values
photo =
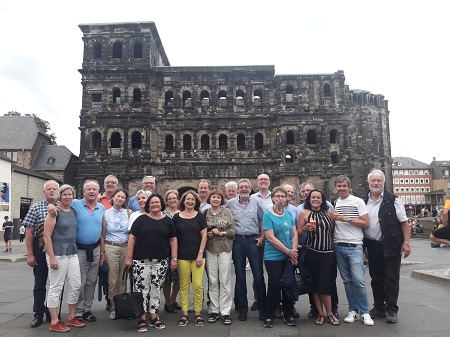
(367, 320)
(351, 317)
(112, 314)
(447, 273)
(247, 266)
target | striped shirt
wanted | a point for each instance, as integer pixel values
(320, 239)
(350, 207)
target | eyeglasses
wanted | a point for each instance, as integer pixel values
(279, 196)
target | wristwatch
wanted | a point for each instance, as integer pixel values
(349, 220)
(407, 243)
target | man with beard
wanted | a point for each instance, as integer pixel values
(248, 214)
(386, 240)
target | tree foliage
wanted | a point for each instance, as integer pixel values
(43, 124)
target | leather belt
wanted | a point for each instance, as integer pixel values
(345, 244)
(118, 244)
(246, 236)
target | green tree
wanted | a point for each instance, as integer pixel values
(43, 124)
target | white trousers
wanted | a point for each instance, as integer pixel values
(218, 267)
(68, 270)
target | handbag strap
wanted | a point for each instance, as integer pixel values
(127, 272)
(303, 256)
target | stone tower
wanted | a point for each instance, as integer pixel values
(140, 116)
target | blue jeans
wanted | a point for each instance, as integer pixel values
(242, 248)
(351, 267)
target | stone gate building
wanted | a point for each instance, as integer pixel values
(141, 116)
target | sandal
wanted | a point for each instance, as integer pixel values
(142, 326)
(183, 321)
(319, 320)
(333, 320)
(199, 321)
(213, 317)
(226, 319)
(157, 323)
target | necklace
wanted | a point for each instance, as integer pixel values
(215, 213)
(279, 213)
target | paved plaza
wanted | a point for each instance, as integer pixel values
(424, 306)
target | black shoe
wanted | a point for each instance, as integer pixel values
(254, 306)
(88, 317)
(313, 314)
(391, 317)
(170, 308)
(242, 316)
(36, 322)
(268, 323)
(176, 305)
(295, 313)
(375, 312)
(290, 321)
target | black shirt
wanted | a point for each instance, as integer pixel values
(188, 235)
(152, 237)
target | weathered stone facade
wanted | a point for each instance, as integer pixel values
(140, 116)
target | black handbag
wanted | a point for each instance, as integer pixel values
(129, 305)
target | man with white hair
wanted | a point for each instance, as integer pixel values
(110, 183)
(35, 255)
(148, 184)
(386, 239)
(231, 190)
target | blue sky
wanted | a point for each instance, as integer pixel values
(394, 48)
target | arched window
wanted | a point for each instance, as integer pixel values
(138, 50)
(257, 93)
(326, 90)
(187, 96)
(204, 94)
(136, 140)
(290, 137)
(223, 142)
(115, 140)
(187, 142)
(116, 95)
(98, 51)
(311, 137)
(259, 141)
(204, 142)
(333, 136)
(169, 143)
(117, 50)
(96, 140)
(168, 97)
(240, 93)
(240, 142)
(289, 89)
(222, 94)
(136, 95)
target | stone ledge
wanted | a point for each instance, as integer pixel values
(13, 258)
(436, 276)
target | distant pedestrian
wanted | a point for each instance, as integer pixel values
(8, 227)
(22, 233)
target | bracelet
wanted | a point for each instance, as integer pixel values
(102, 253)
(407, 243)
(200, 251)
(174, 259)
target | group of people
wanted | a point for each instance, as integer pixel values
(168, 242)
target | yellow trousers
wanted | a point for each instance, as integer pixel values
(186, 269)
